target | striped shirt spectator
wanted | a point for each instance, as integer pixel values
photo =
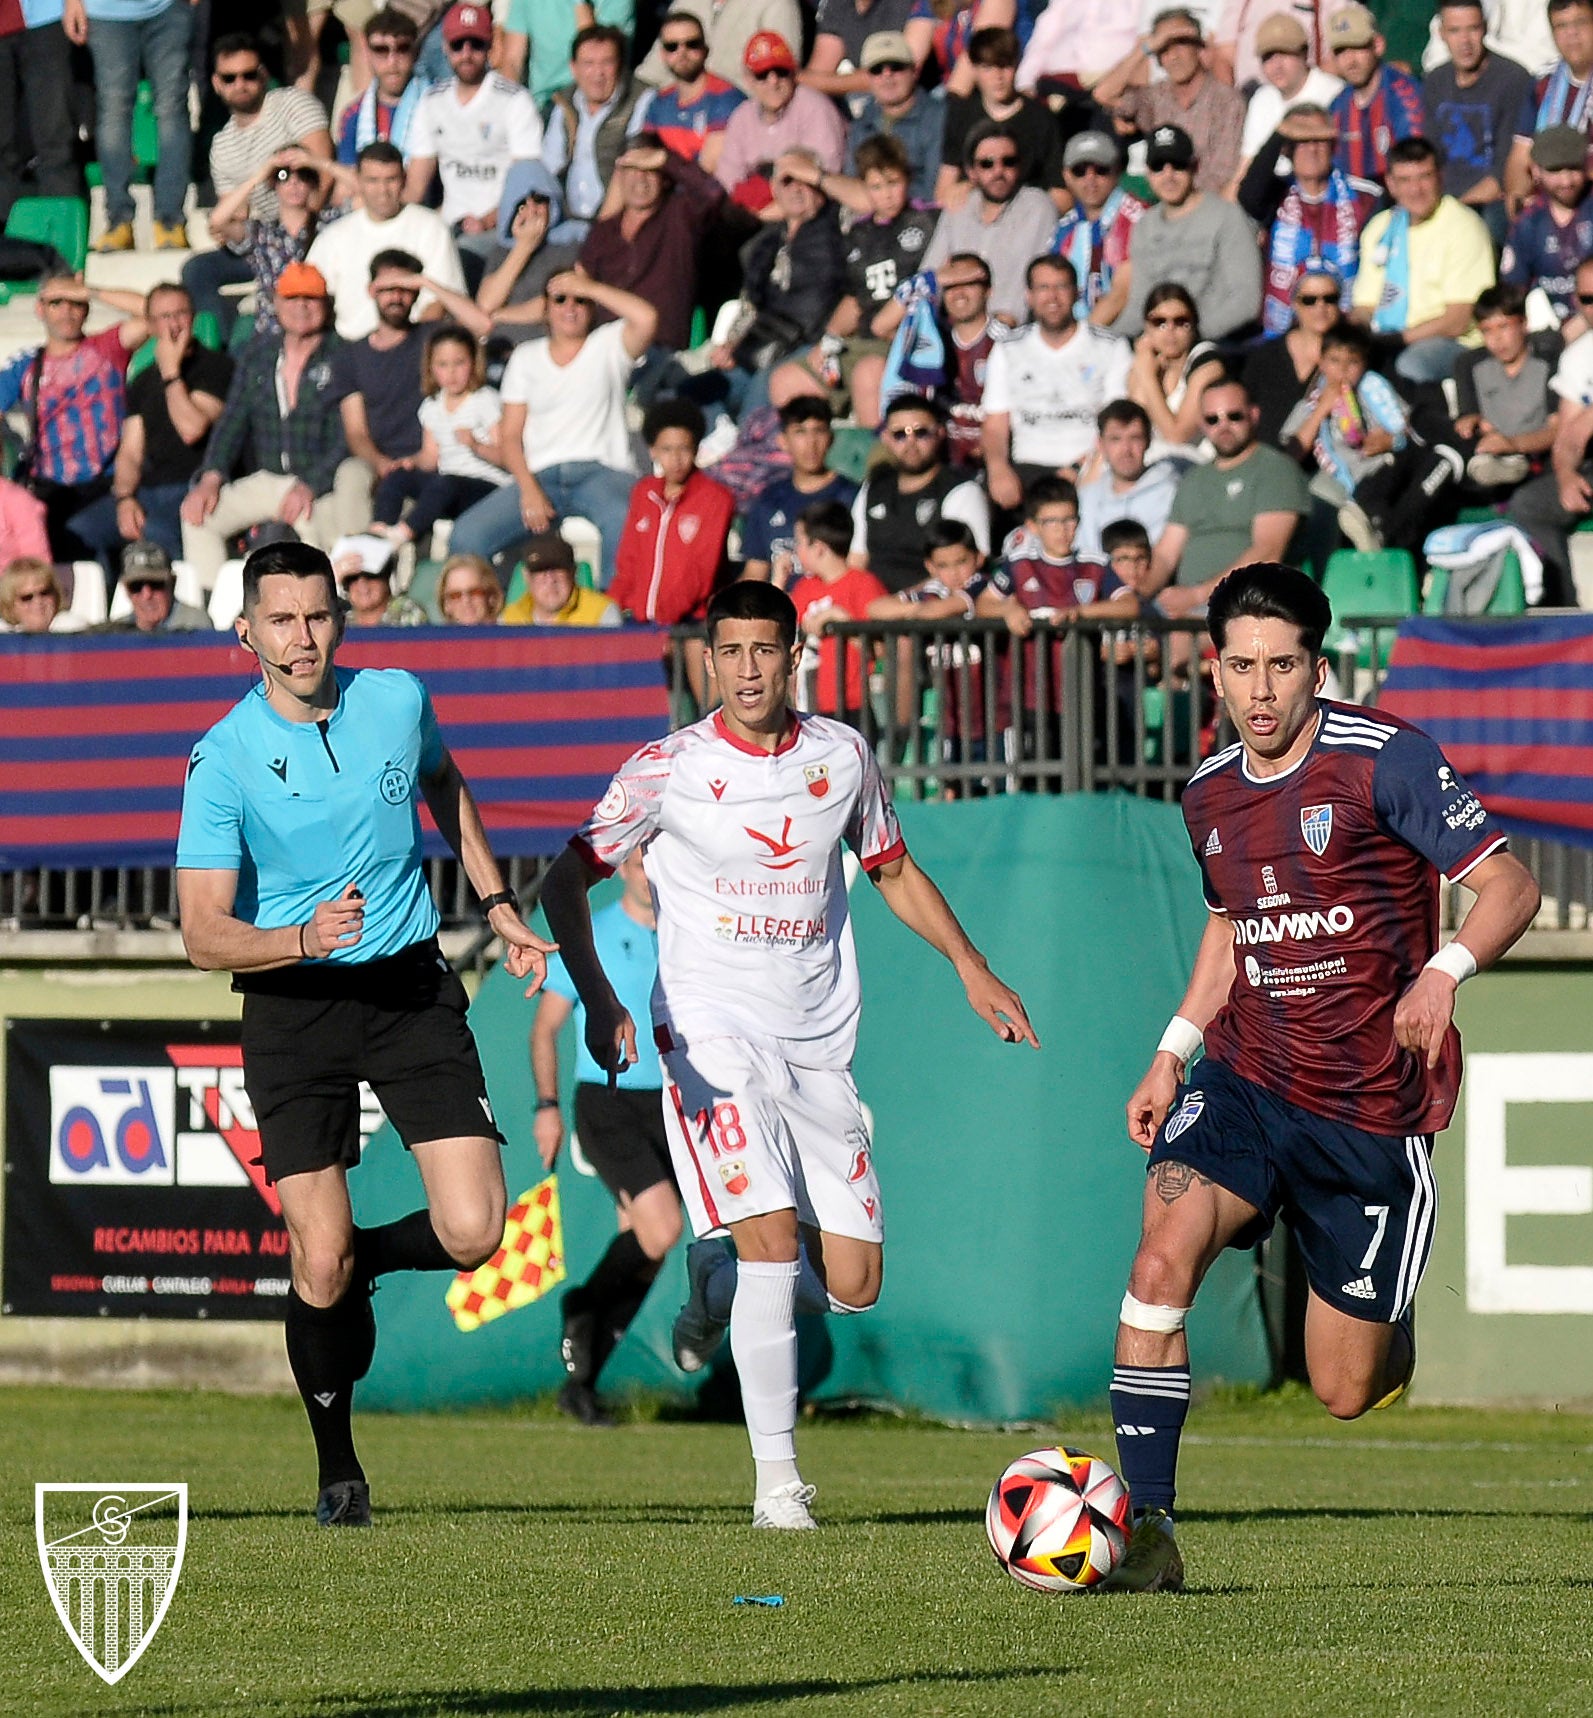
(76, 402)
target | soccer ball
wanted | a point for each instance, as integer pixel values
(1059, 1520)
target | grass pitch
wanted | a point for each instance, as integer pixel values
(1419, 1562)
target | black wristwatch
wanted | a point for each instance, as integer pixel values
(503, 898)
(547, 1103)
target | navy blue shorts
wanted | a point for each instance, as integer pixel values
(1360, 1205)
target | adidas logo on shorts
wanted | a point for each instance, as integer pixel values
(1363, 1288)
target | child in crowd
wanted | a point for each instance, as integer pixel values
(1383, 483)
(830, 590)
(806, 437)
(460, 460)
(1508, 413)
(1042, 577)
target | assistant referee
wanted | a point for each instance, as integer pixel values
(299, 870)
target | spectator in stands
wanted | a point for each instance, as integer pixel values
(1313, 211)
(1196, 238)
(281, 413)
(171, 406)
(460, 460)
(35, 71)
(793, 277)
(1095, 232)
(671, 554)
(1561, 96)
(899, 499)
(832, 588)
(549, 30)
(1279, 372)
(468, 592)
(552, 597)
(691, 110)
(1508, 413)
(469, 130)
(953, 583)
(1044, 572)
(1288, 80)
(587, 127)
(385, 111)
(383, 222)
(525, 259)
(1002, 221)
(972, 333)
(841, 29)
(767, 538)
(1553, 235)
(1423, 263)
(650, 244)
(895, 107)
(260, 124)
(127, 38)
(1044, 387)
(1128, 488)
(31, 598)
(780, 116)
(1171, 370)
(1245, 506)
(729, 26)
(1382, 104)
(367, 590)
(301, 183)
(1077, 42)
(23, 531)
(151, 588)
(881, 252)
(377, 381)
(565, 440)
(1471, 105)
(72, 392)
(993, 55)
(1356, 431)
(1187, 96)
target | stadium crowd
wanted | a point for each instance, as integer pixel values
(1116, 302)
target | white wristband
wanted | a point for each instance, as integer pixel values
(1181, 1039)
(1456, 960)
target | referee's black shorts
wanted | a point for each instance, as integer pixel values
(311, 1033)
(622, 1136)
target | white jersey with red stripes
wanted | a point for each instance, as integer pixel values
(744, 857)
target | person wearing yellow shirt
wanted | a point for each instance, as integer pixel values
(552, 597)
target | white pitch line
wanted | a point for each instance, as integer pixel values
(1421, 1446)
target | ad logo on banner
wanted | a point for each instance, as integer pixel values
(112, 1126)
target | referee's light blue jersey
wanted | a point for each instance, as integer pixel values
(628, 954)
(302, 809)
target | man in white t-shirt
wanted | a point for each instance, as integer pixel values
(470, 129)
(1044, 389)
(745, 816)
(566, 443)
(385, 222)
(1288, 81)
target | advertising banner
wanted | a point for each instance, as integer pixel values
(131, 1188)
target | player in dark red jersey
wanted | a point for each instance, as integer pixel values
(1326, 1008)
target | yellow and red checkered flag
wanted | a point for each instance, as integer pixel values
(524, 1268)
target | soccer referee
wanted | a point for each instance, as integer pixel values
(299, 870)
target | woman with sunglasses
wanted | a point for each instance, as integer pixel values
(1171, 368)
(1280, 373)
(31, 599)
(302, 184)
(468, 592)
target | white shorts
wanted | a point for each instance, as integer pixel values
(750, 1133)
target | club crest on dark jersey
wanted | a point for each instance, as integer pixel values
(1316, 825)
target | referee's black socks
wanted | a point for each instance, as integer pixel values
(329, 1351)
(409, 1244)
(613, 1295)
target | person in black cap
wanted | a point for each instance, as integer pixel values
(1201, 241)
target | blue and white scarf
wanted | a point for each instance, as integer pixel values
(1292, 244)
(1557, 106)
(403, 115)
(1393, 304)
(1083, 243)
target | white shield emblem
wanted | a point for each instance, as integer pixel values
(1316, 825)
(111, 1554)
(1184, 1117)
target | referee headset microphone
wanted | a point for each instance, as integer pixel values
(270, 558)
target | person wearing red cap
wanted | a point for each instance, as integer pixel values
(728, 25)
(282, 404)
(781, 115)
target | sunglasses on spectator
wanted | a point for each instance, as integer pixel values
(792, 179)
(918, 432)
(772, 72)
(1584, 298)
(1179, 42)
(1215, 418)
(991, 161)
(562, 298)
(1086, 168)
(390, 50)
(479, 593)
(1169, 321)
(469, 45)
(35, 596)
(1316, 298)
(305, 175)
(890, 66)
(137, 587)
(250, 77)
(683, 44)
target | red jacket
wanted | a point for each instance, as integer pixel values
(671, 553)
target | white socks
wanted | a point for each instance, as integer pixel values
(763, 1342)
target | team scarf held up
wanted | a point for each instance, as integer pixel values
(1294, 244)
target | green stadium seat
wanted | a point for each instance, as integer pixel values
(59, 221)
(1509, 596)
(849, 454)
(1380, 583)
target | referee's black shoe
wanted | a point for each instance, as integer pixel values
(345, 1503)
(578, 1348)
(580, 1402)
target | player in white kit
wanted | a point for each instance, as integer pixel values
(744, 816)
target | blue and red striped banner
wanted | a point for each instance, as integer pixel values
(1511, 703)
(95, 732)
